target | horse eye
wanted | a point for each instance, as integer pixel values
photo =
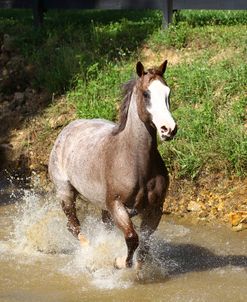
(146, 94)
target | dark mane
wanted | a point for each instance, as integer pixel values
(127, 90)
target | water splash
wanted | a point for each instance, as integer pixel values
(40, 226)
(96, 260)
(40, 229)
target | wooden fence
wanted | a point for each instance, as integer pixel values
(167, 6)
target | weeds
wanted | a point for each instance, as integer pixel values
(210, 107)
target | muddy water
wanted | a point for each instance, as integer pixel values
(40, 260)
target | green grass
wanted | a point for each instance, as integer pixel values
(88, 54)
(211, 17)
(98, 95)
(71, 42)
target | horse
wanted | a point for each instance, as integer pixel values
(117, 166)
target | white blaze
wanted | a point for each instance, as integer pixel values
(159, 108)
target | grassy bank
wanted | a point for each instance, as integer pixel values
(87, 55)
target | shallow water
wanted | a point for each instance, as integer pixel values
(41, 261)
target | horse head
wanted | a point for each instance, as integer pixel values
(153, 100)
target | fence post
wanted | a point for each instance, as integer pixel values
(167, 12)
(38, 12)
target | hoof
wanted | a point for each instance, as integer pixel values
(83, 240)
(120, 263)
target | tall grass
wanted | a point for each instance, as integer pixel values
(88, 54)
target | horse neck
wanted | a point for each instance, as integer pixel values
(141, 138)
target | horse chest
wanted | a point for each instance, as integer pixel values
(129, 188)
(123, 186)
(139, 194)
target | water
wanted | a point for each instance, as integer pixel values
(41, 261)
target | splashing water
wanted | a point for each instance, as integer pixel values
(40, 229)
(40, 226)
(96, 260)
(41, 261)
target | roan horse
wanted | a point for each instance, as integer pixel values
(118, 167)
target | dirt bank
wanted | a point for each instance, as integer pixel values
(20, 101)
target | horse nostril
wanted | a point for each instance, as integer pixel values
(164, 129)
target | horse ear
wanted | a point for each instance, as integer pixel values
(139, 69)
(162, 67)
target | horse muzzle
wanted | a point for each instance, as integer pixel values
(168, 134)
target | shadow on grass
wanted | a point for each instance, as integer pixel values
(63, 50)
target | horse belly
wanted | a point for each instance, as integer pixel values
(96, 199)
(91, 189)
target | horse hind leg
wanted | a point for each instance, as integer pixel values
(68, 202)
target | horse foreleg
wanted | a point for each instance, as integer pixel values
(150, 221)
(121, 219)
(73, 225)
